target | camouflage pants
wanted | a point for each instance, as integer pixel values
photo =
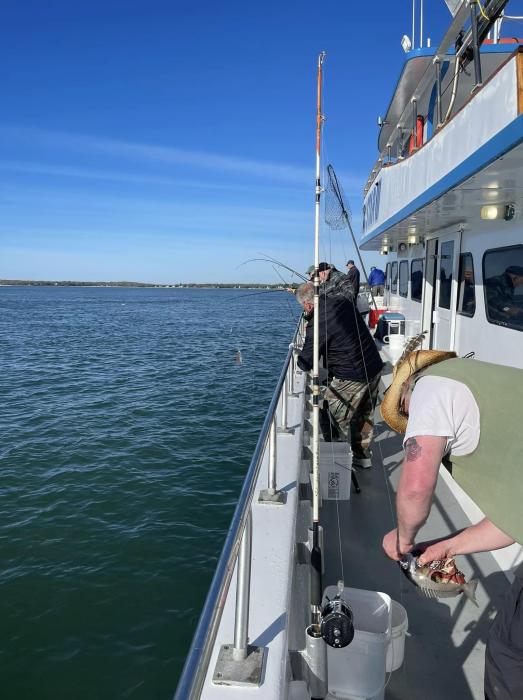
(351, 405)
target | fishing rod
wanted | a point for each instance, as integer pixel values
(316, 554)
(268, 259)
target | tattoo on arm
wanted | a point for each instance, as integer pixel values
(412, 450)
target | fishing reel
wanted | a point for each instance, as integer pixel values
(337, 621)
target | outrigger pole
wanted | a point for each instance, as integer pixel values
(316, 554)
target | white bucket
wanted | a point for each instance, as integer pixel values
(396, 343)
(400, 625)
(335, 472)
(357, 672)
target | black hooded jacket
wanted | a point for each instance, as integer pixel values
(346, 345)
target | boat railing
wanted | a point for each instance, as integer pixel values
(237, 545)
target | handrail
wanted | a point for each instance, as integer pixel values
(196, 664)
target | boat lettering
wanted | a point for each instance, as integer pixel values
(371, 208)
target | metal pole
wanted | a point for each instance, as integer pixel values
(272, 457)
(414, 124)
(421, 25)
(291, 370)
(438, 92)
(477, 58)
(241, 621)
(389, 152)
(413, 24)
(284, 396)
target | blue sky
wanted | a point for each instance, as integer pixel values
(171, 142)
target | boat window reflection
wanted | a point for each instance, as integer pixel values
(466, 290)
(394, 278)
(404, 278)
(445, 274)
(416, 279)
(503, 285)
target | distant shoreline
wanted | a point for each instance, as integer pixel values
(70, 283)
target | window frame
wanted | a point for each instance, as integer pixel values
(394, 266)
(387, 277)
(460, 270)
(422, 261)
(403, 264)
(494, 322)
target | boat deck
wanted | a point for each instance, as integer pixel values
(444, 650)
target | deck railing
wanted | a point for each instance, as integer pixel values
(196, 665)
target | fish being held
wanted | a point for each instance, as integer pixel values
(438, 579)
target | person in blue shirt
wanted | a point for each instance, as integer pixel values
(377, 281)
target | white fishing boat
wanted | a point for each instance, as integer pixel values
(444, 203)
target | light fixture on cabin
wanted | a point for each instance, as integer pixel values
(384, 249)
(490, 212)
(406, 43)
(402, 247)
(413, 239)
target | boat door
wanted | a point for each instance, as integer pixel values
(441, 288)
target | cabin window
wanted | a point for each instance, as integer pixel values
(503, 286)
(387, 277)
(466, 290)
(416, 279)
(404, 278)
(445, 274)
(394, 278)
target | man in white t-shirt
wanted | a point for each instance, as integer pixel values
(438, 401)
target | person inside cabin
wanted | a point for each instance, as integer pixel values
(353, 364)
(377, 281)
(503, 302)
(354, 276)
(457, 410)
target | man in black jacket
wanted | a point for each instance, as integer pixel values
(353, 364)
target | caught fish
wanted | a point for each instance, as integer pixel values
(238, 359)
(438, 579)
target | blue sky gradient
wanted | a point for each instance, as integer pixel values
(167, 142)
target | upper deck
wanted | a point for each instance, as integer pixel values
(416, 192)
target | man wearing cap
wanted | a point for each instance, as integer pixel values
(354, 276)
(458, 409)
(500, 296)
(353, 363)
(332, 281)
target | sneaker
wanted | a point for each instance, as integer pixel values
(362, 462)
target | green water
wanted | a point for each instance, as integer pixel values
(126, 431)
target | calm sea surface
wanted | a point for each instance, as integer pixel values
(126, 428)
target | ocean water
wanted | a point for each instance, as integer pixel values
(126, 428)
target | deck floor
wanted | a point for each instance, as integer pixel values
(444, 651)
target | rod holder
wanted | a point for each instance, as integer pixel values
(315, 657)
(240, 663)
(477, 58)
(271, 495)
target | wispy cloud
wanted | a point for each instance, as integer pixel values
(133, 151)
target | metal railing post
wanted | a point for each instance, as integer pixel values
(414, 124)
(243, 585)
(240, 663)
(271, 493)
(438, 92)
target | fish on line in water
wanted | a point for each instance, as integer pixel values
(438, 579)
(238, 359)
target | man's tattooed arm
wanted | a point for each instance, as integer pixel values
(412, 449)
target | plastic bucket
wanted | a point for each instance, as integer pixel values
(358, 670)
(400, 625)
